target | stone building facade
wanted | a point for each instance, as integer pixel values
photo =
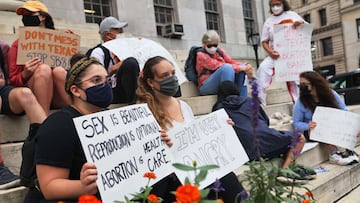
(176, 24)
(335, 41)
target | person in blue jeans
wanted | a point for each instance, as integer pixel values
(214, 66)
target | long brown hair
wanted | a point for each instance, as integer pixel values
(145, 94)
(323, 91)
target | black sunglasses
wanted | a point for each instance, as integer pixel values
(211, 45)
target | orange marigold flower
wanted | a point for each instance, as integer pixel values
(150, 175)
(88, 199)
(309, 194)
(187, 194)
(220, 200)
(153, 198)
(306, 201)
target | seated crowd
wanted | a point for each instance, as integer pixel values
(61, 167)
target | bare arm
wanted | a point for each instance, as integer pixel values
(54, 182)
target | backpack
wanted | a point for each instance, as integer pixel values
(190, 64)
(28, 168)
(107, 54)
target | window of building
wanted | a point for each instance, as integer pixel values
(358, 27)
(249, 19)
(322, 15)
(327, 46)
(96, 10)
(313, 50)
(212, 14)
(307, 18)
(304, 2)
(356, 1)
(164, 14)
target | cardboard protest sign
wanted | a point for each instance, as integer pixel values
(335, 126)
(294, 47)
(53, 47)
(123, 143)
(142, 49)
(208, 140)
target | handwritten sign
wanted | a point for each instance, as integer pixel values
(294, 47)
(335, 126)
(208, 140)
(142, 49)
(53, 47)
(123, 143)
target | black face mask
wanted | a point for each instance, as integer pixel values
(30, 20)
(304, 90)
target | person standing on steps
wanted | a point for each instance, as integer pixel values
(280, 14)
(124, 73)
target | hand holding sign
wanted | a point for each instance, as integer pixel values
(336, 127)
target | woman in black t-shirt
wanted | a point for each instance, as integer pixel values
(61, 166)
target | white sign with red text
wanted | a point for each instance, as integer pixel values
(294, 48)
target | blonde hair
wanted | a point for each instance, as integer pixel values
(210, 35)
(145, 94)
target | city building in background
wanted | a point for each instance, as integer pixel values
(335, 42)
(179, 24)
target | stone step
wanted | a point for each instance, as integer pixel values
(327, 186)
(351, 197)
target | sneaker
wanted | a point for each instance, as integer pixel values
(353, 156)
(7, 178)
(339, 159)
(305, 173)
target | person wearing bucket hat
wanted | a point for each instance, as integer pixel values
(47, 83)
(124, 73)
(61, 166)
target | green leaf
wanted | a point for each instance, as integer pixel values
(200, 177)
(204, 193)
(183, 167)
(208, 167)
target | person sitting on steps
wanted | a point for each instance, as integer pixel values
(124, 73)
(16, 102)
(215, 65)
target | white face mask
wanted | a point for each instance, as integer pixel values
(211, 50)
(121, 35)
(277, 9)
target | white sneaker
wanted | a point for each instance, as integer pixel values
(353, 156)
(339, 159)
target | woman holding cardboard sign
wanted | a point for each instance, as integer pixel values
(62, 170)
(315, 91)
(46, 83)
(157, 85)
(280, 14)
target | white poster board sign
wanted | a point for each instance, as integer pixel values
(208, 140)
(123, 143)
(336, 127)
(294, 48)
(142, 49)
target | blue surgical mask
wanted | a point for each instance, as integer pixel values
(99, 95)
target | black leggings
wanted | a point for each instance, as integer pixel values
(126, 81)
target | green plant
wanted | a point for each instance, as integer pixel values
(189, 192)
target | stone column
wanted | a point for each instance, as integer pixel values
(10, 5)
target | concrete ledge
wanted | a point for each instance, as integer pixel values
(13, 128)
(201, 104)
(14, 195)
(11, 154)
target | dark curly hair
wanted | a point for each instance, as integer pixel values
(324, 92)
